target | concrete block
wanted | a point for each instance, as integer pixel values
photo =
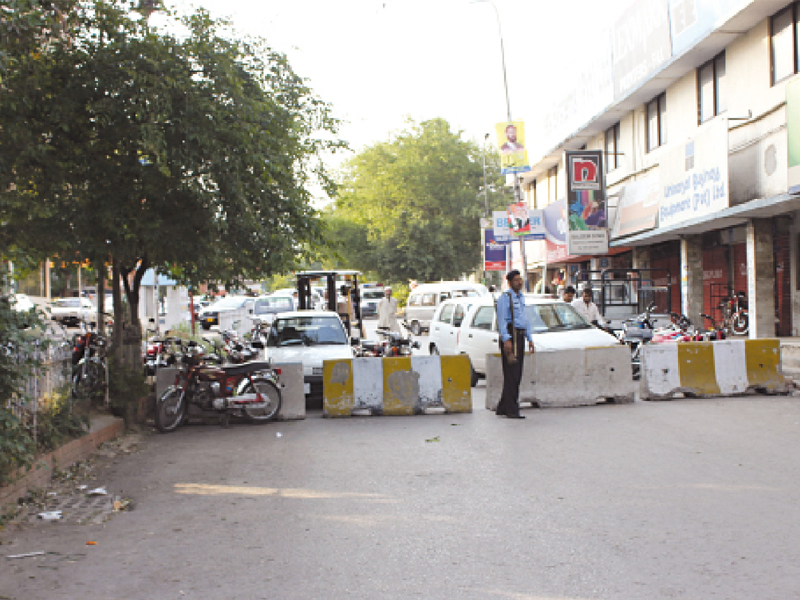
(396, 386)
(293, 398)
(575, 377)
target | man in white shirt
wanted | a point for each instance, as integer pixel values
(387, 311)
(588, 309)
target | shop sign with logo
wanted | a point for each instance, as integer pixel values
(587, 220)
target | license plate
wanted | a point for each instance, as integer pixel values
(306, 388)
(209, 320)
(316, 370)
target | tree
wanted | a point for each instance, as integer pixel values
(129, 145)
(409, 208)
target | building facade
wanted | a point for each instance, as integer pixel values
(696, 106)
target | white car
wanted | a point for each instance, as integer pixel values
(309, 338)
(71, 311)
(21, 302)
(473, 331)
(209, 315)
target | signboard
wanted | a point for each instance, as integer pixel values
(494, 253)
(587, 215)
(638, 207)
(693, 20)
(504, 233)
(641, 44)
(511, 143)
(793, 133)
(555, 224)
(694, 176)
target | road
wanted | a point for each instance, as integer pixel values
(685, 499)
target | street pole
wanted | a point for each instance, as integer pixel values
(517, 194)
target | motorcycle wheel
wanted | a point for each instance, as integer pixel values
(88, 383)
(271, 393)
(740, 324)
(168, 416)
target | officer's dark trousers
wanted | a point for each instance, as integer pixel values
(512, 375)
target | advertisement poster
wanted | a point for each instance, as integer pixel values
(587, 220)
(694, 176)
(533, 221)
(638, 207)
(494, 253)
(511, 143)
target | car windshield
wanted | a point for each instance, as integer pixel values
(68, 303)
(226, 303)
(554, 317)
(273, 304)
(462, 293)
(307, 331)
(372, 295)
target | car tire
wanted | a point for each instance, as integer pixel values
(205, 326)
(434, 350)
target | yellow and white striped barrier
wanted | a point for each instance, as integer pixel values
(574, 377)
(396, 386)
(722, 368)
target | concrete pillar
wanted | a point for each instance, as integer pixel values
(760, 278)
(692, 278)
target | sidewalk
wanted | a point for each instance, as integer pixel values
(103, 428)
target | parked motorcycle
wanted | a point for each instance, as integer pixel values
(90, 368)
(637, 332)
(737, 320)
(394, 344)
(248, 390)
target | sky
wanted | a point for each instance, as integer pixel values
(381, 62)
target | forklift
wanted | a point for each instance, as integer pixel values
(336, 284)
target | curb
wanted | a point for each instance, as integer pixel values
(104, 428)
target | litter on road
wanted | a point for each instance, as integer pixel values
(51, 515)
(29, 554)
(97, 492)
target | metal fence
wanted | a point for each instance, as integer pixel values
(54, 371)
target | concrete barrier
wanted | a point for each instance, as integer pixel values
(723, 368)
(290, 383)
(396, 386)
(575, 377)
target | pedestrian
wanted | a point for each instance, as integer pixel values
(569, 294)
(514, 330)
(588, 309)
(387, 311)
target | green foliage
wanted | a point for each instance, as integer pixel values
(17, 449)
(126, 386)
(58, 422)
(400, 292)
(409, 208)
(192, 154)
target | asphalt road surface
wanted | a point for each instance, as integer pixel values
(695, 499)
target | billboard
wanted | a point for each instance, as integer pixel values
(642, 44)
(506, 227)
(587, 213)
(494, 253)
(694, 176)
(511, 143)
(793, 133)
(638, 207)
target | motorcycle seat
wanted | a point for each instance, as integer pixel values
(247, 367)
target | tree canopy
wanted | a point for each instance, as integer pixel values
(190, 153)
(409, 208)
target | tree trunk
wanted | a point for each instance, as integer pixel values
(119, 311)
(132, 333)
(101, 299)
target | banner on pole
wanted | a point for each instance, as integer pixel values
(511, 142)
(587, 220)
(494, 253)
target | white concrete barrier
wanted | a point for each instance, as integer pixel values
(723, 368)
(396, 386)
(575, 377)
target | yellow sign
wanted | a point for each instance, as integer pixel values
(511, 143)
